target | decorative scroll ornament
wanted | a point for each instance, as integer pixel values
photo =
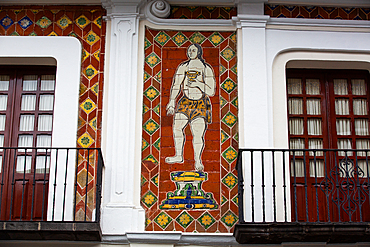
(158, 8)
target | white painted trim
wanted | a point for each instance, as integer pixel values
(67, 52)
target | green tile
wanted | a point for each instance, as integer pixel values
(151, 158)
(197, 38)
(163, 220)
(229, 119)
(228, 54)
(149, 199)
(162, 38)
(216, 38)
(228, 85)
(152, 59)
(147, 43)
(229, 219)
(151, 93)
(155, 180)
(150, 126)
(184, 219)
(143, 180)
(230, 180)
(157, 144)
(206, 220)
(179, 39)
(224, 136)
(144, 144)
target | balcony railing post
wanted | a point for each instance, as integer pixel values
(263, 187)
(274, 184)
(284, 187)
(99, 184)
(65, 184)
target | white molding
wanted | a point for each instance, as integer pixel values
(175, 238)
(318, 23)
(121, 210)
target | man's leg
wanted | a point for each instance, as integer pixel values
(198, 128)
(179, 123)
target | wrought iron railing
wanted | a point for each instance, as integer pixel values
(50, 184)
(303, 185)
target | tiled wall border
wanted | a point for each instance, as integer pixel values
(206, 12)
(87, 25)
(317, 12)
(224, 218)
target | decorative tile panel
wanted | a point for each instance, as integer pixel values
(84, 23)
(317, 12)
(194, 190)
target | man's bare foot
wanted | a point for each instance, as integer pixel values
(174, 159)
(199, 166)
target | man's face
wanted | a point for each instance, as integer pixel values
(192, 52)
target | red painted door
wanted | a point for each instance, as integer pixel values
(328, 109)
(26, 113)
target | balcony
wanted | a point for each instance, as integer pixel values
(50, 193)
(303, 195)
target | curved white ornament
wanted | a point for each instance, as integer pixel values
(159, 8)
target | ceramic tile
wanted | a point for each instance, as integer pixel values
(315, 12)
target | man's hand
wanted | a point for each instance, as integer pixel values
(170, 107)
(196, 83)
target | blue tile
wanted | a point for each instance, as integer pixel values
(6, 22)
(25, 22)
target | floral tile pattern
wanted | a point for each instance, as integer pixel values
(164, 51)
(85, 24)
(315, 12)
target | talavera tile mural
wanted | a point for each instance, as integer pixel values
(190, 131)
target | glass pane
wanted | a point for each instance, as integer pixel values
(358, 87)
(295, 106)
(46, 102)
(4, 82)
(294, 86)
(296, 143)
(362, 127)
(313, 107)
(343, 127)
(43, 141)
(25, 141)
(45, 123)
(360, 106)
(315, 144)
(3, 102)
(341, 107)
(340, 87)
(47, 82)
(317, 169)
(314, 126)
(297, 168)
(296, 126)
(344, 144)
(1, 141)
(362, 144)
(30, 83)
(42, 162)
(363, 168)
(23, 164)
(312, 86)
(26, 123)
(2, 122)
(28, 102)
(1, 163)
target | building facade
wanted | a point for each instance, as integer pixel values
(134, 113)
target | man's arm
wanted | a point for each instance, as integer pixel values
(178, 78)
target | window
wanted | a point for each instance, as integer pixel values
(327, 109)
(26, 117)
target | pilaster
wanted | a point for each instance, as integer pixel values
(121, 211)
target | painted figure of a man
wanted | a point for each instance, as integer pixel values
(196, 79)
